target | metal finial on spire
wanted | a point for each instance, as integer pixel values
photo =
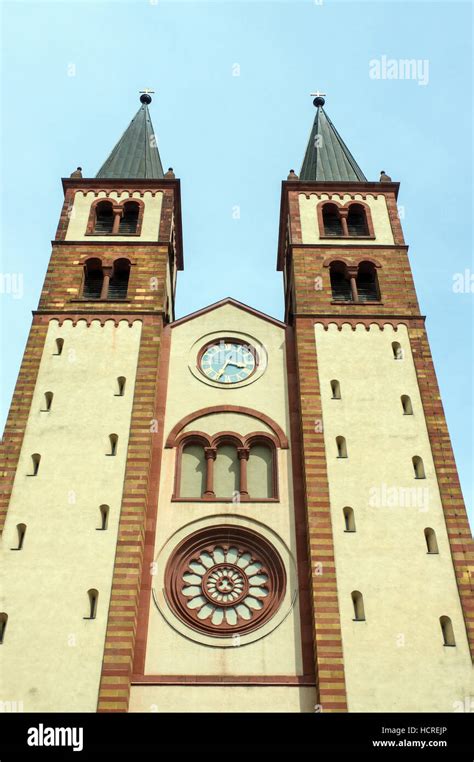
(319, 100)
(146, 97)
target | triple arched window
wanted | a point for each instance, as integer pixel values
(109, 217)
(350, 221)
(226, 467)
(106, 281)
(357, 283)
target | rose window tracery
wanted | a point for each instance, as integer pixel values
(224, 580)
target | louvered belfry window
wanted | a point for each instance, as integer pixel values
(118, 286)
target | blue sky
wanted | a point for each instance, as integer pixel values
(70, 76)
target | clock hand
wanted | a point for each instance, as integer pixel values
(221, 371)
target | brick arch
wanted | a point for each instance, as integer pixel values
(273, 425)
(350, 262)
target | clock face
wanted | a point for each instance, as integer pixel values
(228, 362)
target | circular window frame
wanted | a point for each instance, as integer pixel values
(206, 540)
(200, 345)
(160, 595)
(231, 340)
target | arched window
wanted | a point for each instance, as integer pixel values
(104, 517)
(3, 626)
(340, 283)
(336, 390)
(129, 220)
(332, 221)
(341, 447)
(113, 439)
(104, 218)
(260, 471)
(226, 471)
(366, 282)
(431, 541)
(118, 286)
(92, 597)
(418, 467)
(47, 402)
(397, 351)
(447, 630)
(120, 386)
(20, 532)
(35, 464)
(93, 279)
(406, 404)
(349, 519)
(59, 346)
(358, 603)
(357, 220)
(193, 471)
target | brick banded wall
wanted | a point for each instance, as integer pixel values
(19, 411)
(457, 523)
(327, 637)
(121, 630)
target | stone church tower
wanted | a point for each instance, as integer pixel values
(226, 512)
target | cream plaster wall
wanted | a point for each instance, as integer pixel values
(52, 656)
(76, 230)
(211, 698)
(279, 652)
(395, 660)
(309, 218)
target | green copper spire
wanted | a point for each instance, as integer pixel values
(136, 154)
(327, 156)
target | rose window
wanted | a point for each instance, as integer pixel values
(224, 580)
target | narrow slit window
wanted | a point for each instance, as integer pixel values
(113, 440)
(431, 541)
(120, 386)
(3, 626)
(104, 517)
(358, 604)
(341, 447)
(418, 467)
(92, 596)
(349, 519)
(59, 346)
(35, 464)
(397, 351)
(406, 405)
(20, 532)
(47, 402)
(447, 630)
(336, 390)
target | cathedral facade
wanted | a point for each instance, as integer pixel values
(227, 512)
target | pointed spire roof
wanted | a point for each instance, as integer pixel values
(136, 154)
(327, 156)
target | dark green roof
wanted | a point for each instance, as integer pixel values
(136, 154)
(327, 156)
